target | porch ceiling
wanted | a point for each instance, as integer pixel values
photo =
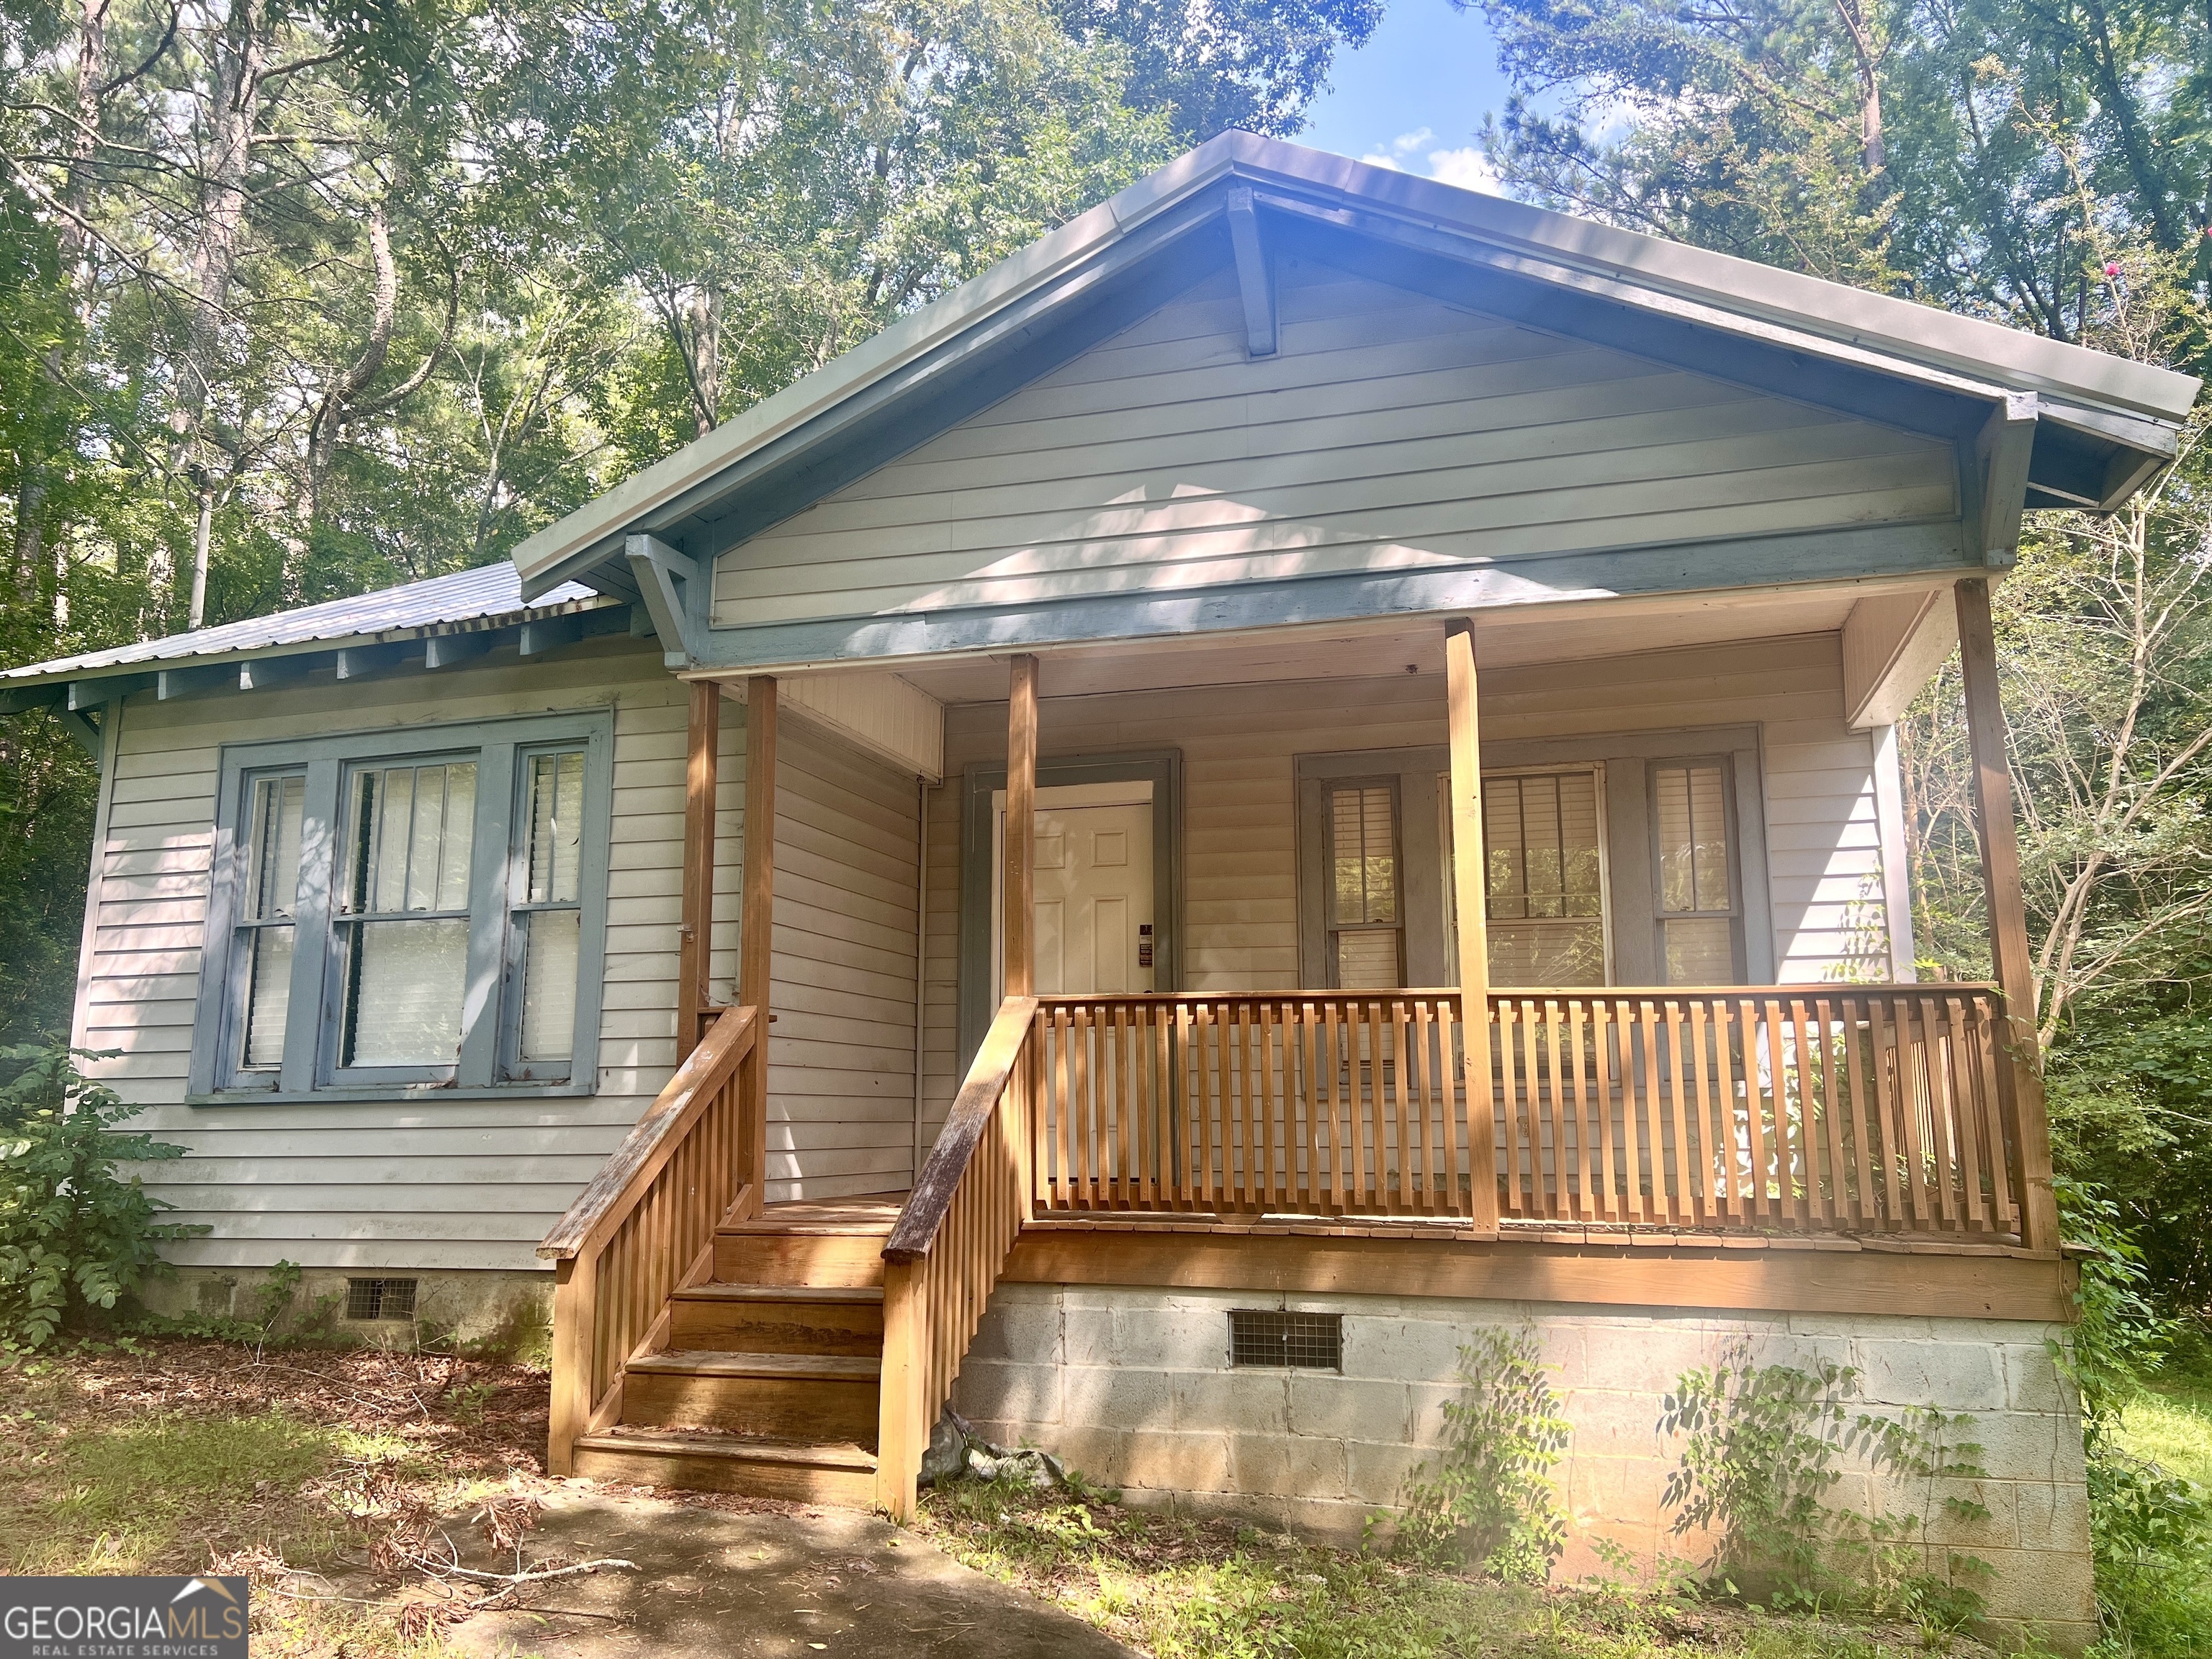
(1508, 637)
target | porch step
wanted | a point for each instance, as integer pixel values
(797, 1471)
(847, 1257)
(779, 1319)
(807, 1398)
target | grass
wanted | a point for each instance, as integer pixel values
(1181, 1588)
(2170, 1424)
(179, 1457)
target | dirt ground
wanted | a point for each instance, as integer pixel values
(394, 1503)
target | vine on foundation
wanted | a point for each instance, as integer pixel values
(1490, 1501)
(1766, 1446)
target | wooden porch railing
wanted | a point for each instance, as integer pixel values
(1835, 1109)
(646, 1226)
(948, 1246)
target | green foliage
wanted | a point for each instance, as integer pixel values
(2151, 1530)
(75, 1236)
(1490, 1501)
(1764, 1450)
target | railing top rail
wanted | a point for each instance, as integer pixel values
(600, 1206)
(915, 1230)
(1829, 988)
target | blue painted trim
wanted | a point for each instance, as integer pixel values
(1822, 555)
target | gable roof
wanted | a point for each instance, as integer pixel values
(2104, 423)
(488, 596)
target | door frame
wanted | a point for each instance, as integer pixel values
(979, 781)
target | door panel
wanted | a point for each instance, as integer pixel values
(1094, 899)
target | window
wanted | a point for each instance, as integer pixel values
(1544, 839)
(1364, 919)
(417, 910)
(1696, 885)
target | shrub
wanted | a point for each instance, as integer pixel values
(75, 1236)
(1764, 1445)
(1491, 1500)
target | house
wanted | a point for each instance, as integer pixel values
(1448, 651)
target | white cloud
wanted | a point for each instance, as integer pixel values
(1401, 150)
(1468, 168)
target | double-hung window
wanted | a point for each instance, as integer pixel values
(1365, 914)
(413, 910)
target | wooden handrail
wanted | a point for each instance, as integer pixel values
(948, 1247)
(645, 1226)
(1835, 1109)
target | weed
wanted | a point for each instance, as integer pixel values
(1491, 1500)
(1763, 1453)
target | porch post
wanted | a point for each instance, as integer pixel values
(1020, 884)
(701, 751)
(757, 924)
(2022, 1077)
(1473, 927)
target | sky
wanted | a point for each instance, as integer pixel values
(1413, 97)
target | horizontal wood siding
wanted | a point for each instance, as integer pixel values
(1240, 883)
(1390, 432)
(841, 1051)
(424, 1183)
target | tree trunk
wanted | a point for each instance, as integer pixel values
(1867, 55)
(703, 314)
(331, 415)
(84, 142)
(201, 529)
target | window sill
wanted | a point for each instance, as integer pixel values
(390, 1094)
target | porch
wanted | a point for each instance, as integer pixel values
(1844, 1145)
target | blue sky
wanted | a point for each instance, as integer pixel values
(1415, 94)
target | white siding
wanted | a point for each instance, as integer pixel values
(840, 1055)
(1240, 912)
(1390, 432)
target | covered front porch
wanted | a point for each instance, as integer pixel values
(1238, 1088)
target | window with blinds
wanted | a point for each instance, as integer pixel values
(548, 918)
(410, 919)
(1543, 839)
(405, 915)
(1697, 896)
(268, 925)
(1364, 918)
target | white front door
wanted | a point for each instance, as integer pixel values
(1093, 891)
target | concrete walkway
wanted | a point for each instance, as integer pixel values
(713, 1583)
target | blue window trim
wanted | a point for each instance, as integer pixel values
(493, 995)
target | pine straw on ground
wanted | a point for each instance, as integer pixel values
(321, 1475)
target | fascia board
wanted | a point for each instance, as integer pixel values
(67, 669)
(1739, 288)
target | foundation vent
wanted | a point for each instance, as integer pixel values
(1286, 1341)
(379, 1298)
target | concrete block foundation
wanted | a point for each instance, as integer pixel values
(1134, 1387)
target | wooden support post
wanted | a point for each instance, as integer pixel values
(702, 747)
(1020, 894)
(1473, 927)
(575, 1312)
(2021, 1076)
(756, 926)
(902, 1437)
